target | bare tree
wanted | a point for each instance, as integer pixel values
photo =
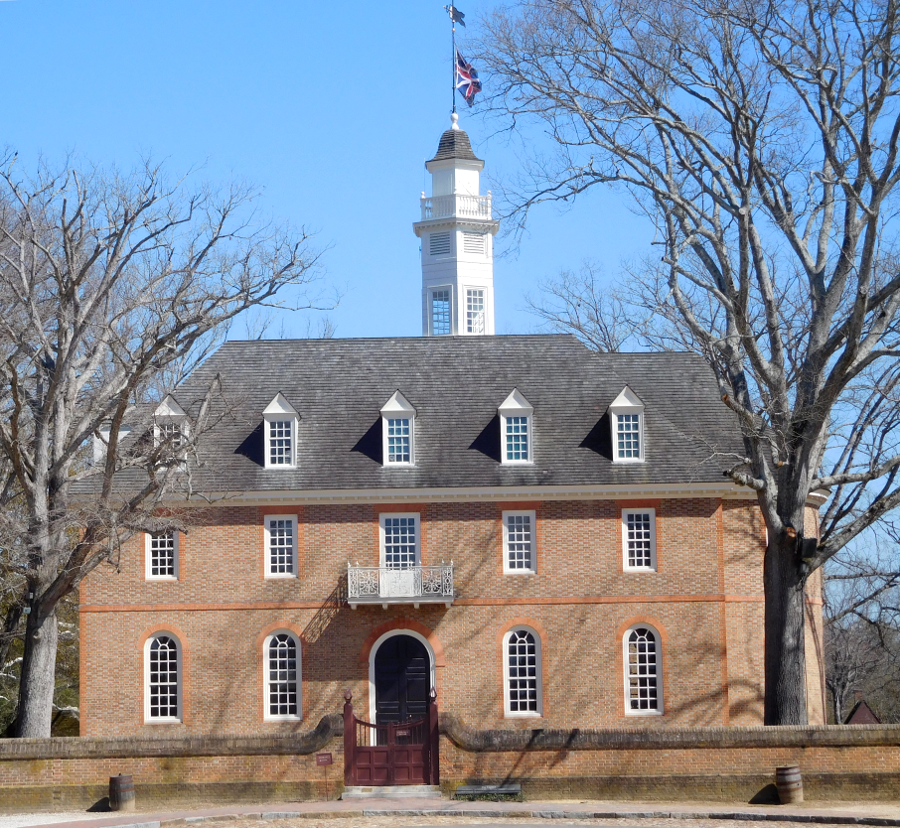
(761, 139)
(862, 627)
(112, 286)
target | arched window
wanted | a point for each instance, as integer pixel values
(282, 657)
(522, 672)
(643, 685)
(163, 671)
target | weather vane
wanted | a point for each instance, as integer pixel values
(465, 78)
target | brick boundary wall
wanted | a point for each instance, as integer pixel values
(714, 764)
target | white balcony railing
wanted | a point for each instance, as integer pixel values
(412, 585)
(456, 206)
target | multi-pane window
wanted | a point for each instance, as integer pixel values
(281, 542)
(440, 312)
(642, 671)
(163, 678)
(517, 439)
(399, 440)
(639, 538)
(282, 677)
(401, 540)
(518, 541)
(628, 436)
(522, 673)
(171, 433)
(475, 311)
(162, 555)
(281, 442)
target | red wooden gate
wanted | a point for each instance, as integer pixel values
(391, 754)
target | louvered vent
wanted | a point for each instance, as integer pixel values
(439, 244)
(474, 243)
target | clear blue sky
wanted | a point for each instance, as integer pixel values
(331, 108)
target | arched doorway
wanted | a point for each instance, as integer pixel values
(401, 677)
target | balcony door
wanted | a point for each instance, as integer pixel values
(400, 577)
(402, 679)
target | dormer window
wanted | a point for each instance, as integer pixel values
(516, 429)
(281, 433)
(170, 424)
(627, 419)
(398, 421)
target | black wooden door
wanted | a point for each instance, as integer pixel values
(402, 680)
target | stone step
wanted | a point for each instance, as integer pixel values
(391, 792)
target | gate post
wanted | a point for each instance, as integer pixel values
(349, 738)
(434, 744)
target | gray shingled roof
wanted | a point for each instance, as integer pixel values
(338, 386)
(454, 144)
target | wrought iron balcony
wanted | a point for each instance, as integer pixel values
(411, 585)
(456, 206)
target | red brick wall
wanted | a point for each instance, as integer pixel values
(705, 600)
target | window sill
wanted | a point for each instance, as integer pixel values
(163, 721)
(638, 569)
(282, 718)
(281, 576)
(163, 578)
(640, 713)
(520, 572)
(508, 715)
(626, 460)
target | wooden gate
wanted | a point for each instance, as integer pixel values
(405, 753)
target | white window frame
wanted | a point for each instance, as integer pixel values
(268, 550)
(430, 309)
(507, 569)
(515, 405)
(148, 556)
(280, 410)
(169, 412)
(398, 408)
(383, 518)
(179, 650)
(627, 403)
(267, 680)
(484, 309)
(658, 710)
(639, 511)
(539, 665)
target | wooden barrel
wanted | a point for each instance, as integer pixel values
(789, 784)
(121, 792)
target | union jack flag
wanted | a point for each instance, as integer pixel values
(466, 79)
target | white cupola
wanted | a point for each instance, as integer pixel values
(457, 233)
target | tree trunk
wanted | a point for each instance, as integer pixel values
(785, 659)
(38, 679)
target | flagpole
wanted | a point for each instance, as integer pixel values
(453, 66)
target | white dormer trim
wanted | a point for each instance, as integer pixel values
(627, 405)
(101, 441)
(169, 413)
(277, 412)
(400, 410)
(516, 430)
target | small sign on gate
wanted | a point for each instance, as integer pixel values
(324, 759)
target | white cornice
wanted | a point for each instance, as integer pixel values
(490, 493)
(455, 222)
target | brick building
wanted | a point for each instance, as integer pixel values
(541, 533)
